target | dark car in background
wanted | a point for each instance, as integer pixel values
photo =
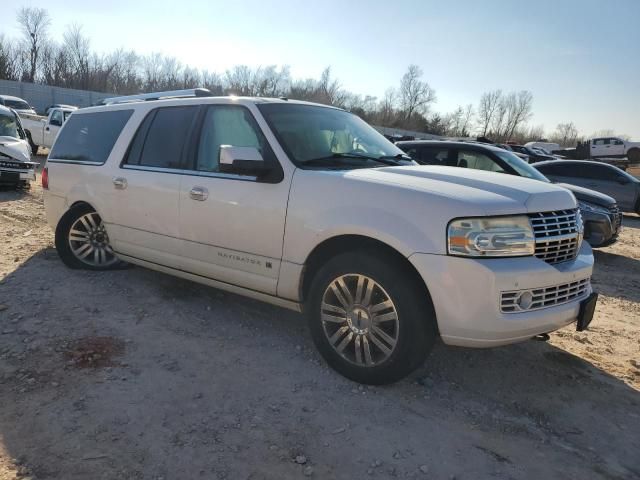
(601, 216)
(597, 176)
(534, 155)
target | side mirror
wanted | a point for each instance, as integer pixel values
(55, 122)
(242, 160)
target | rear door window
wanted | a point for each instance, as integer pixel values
(161, 138)
(478, 161)
(560, 170)
(433, 156)
(601, 172)
(89, 137)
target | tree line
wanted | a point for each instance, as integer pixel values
(70, 62)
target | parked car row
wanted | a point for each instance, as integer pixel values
(601, 214)
(308, 207)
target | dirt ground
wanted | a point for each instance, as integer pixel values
(134, 374)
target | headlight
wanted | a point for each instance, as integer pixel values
(491, 237)
(590, 207)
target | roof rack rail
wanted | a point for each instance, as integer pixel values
(190, 92)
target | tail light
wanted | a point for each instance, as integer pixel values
(45, 178)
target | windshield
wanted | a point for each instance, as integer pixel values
(8, 126)
(320, 136)
(521, 167)
(17, 104)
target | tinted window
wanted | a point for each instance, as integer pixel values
(558, 169)
(228, 125)
(599, 141)
(56, 117)
(477, 161)
(17, 104)
(433, 156)
(160, 139)
(599, 172)
(90, 137)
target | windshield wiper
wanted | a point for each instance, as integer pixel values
(334, 158)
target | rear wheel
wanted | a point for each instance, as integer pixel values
(82, 240)
(634, 155)
(369, 318)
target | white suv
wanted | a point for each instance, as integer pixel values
(307, 207)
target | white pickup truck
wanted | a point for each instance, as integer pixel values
(42, 131)
(614, 147)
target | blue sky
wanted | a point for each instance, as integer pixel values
(580, 58)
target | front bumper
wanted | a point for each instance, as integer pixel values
(600, 229)
(466, 295)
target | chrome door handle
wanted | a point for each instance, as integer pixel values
(120, 183)
(199, 193)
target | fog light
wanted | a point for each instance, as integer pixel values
(525, 299)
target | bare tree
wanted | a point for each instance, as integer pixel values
(9, 65)
(271, 82)
(34, 24)
(329, 91)
(239, 80)
(536, 133)
(415, 94)
(566, 134)
(78, 52)
(519, 110)
(489, 103)
(457, 123)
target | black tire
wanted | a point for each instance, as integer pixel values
(634, 155)
(415, 329)
(34, 147)
(63, 243)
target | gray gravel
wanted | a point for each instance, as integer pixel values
(212, 385)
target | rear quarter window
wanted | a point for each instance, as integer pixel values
(89, 137)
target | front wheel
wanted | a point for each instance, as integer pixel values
(82, 240)
(370, 318)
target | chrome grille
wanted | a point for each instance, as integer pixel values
(537, 298)
(558, 235)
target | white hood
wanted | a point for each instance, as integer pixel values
(15, 148)
(497, 192)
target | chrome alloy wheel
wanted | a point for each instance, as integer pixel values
(360, 320)
(89, 241)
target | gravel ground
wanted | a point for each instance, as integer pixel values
(137, 375)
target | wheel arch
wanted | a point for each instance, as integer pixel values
(351, 242)
(73, 205)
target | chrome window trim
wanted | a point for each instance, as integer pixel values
(192, 173)
(15, 170)
(75, 162)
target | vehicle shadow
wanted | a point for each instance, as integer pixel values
(625, 270)
(10, 193)
(631, 221)
(206, 384)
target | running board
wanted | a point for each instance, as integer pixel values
(227, 287)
